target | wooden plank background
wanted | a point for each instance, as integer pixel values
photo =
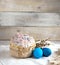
(30, 5)
(37, 32)
(39, 25)
(29, 19)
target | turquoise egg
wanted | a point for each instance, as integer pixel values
(37, 53)
(46, 52)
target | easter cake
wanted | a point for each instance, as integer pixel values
(22, 45)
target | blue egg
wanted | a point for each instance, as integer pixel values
(37, 53)
(46, 52)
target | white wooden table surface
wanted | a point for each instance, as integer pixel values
(6, 59)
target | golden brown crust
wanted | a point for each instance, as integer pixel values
(19, 51)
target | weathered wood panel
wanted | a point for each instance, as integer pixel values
(30, 5)
(37, 32)
(29, 19)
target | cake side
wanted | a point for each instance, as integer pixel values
(22, 45)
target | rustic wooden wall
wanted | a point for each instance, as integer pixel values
(39, 25)
(29, 17)
(37, 32)
(30, 5)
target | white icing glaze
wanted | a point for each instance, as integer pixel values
(23, 40)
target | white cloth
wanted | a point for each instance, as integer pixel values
(6, 59)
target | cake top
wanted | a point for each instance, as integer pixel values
(23, 40)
